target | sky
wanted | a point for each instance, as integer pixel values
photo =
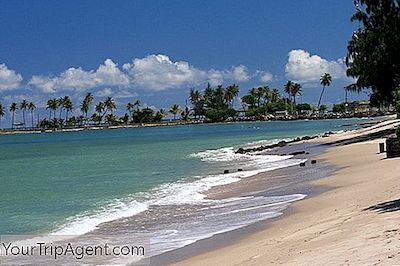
(156, 50)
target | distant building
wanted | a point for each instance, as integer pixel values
(281, 114)
(360, 107)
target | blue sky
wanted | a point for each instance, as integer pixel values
(156, 50)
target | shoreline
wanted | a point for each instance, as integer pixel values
(161, 124)
(245, 246)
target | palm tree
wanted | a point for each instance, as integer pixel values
(31, 107)
(185, 113)
(275, 95)
(67, 104)
(231, 92)
(101, 111)
(110, 104)
(137, 103)
(85, 105)
(2, 113)
(23, 106)
(129, 108)
(326, 80)
(296, 90)
(52, 105)
(288, 89)
(13, 109)
(174, 110)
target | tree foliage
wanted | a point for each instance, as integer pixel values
(373, 56)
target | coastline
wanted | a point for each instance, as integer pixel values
(161, 124)
(334, 220)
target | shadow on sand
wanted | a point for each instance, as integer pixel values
(388, 206)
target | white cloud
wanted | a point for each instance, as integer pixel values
(305, 68)
(265, 76)
(159, 72)
(152, 73)
(9, 79)
(104, 92)
(107, 74)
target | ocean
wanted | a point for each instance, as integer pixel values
(73, 183)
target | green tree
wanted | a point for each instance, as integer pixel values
(23, 106)
(52, 105)
(231, 93)
(174, 110)
(296, 90)
(86, 103)
(31, 108)
(13, 109)
(137, 103)
(68, 106)
(110, 104)
(373, 52)
(2, 113)
(326, 81)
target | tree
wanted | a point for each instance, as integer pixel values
(52, 105)
(23, 106)
(13, 109)
(296, 90)
(174, 110)
(85, 105)
(137, 103)
(250, 99)
(31, 107)
(339, 108)
(323, 108)
(326, 80)
(185, 113)
(373, 52)
(100, 108)
(288, 89)
(67, 104)
(231, 92)
(110, 104)
(275, 96)
(130, 107)
(2, 113)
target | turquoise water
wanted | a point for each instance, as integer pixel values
(48, 180)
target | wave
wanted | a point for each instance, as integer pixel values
(183, 191)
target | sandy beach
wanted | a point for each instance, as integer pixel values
(355, 222)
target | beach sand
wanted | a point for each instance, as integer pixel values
(334, 227)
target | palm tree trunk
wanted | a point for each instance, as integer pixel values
(12, 122)
(23, 116)
(320, 97)
(32, 117)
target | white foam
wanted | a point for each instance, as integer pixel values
(87, 222)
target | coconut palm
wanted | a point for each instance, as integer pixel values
(100, 108)
(231, 92)
(31, 107)
(326, 81)
(175, 110)
(185, 113)
(296, 90)
(130, 107)
(13, 109)
(52, 105)
(137, 103)
(275, 95)
(2, 113)
(110, 104)
(85, 105)
(288, 89)
(67, 104)
(23, 106)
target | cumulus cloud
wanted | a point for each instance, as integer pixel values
(9, 79)
(107, 74)
(159, 72)
(265, 76)
(306, 68)
(153, 72)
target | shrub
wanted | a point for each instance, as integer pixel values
(398, 132)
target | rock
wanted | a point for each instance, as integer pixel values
(297, 152)
(240, 170)
(281, 143)
(313, 161)
(226, 171)
(302, 164)
(241, 151)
